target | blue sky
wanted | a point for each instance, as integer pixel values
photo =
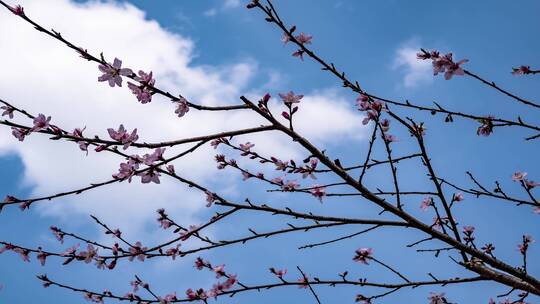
(225, 45)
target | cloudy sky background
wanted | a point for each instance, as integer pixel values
(215, 51)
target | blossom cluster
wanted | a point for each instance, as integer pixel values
(144, 90)
(374, 109)
(40, 123)
(150, 174)
(443, 63)
(218, 288)
(301, 39)
(521, 177)
(521, 70)
(468, 232)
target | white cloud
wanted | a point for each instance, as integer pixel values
(231, 3)
(226, 5)
(211, 12)
(416, 72)
(43, 76)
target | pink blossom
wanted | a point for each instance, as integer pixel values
(83, 145)
(112, 265)
(173, 252)
(94, 298)
(444, 64)
(487, 126)
(458, 197)
(299, 53)
(170, 169)
(220, 159)
(488, 248)
(246, 175)
(123, 136)
(126, 170)
(280, 165)
(71, 250)
(115, 249)
(182, 107)
(135, 285)
(157, 155)
(363, 255)
(10, 199)
(170, 298)
(536, 210)
(390, 138)
(143, 91)
(8, 111)
(215, 143)
(468, 231)
(519, 176)
(23, 253)
(385, 125)
(304, 38)
(58, 234)
(113, 73)
(40, 122)
(455, 69)
(200, 294)
(137, 251)
(6, 247)
(149, 176)
(285, 38)
(531, 184)
(19, 133)
(42, 256)
(362, 101)
(132, 297)
(303, 282)
(229, 283)
(219, 270)
(210, 198)
(247, 146)
(370, 115)
(186, 234)
(17, 10)
(277, 180)
(309, 169)
(290, 185)
(200, 263)
(164, 222)
(290, 98)
(89, 254)
(438, 222)
(318, 191)
(418, 130)
(363, 299)
(100, 148)
(524, 246)
(426, 203)
(522, 70)
(278, 272)
(25, 205)
(377, 106)
(100, 263)
(437, 298)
